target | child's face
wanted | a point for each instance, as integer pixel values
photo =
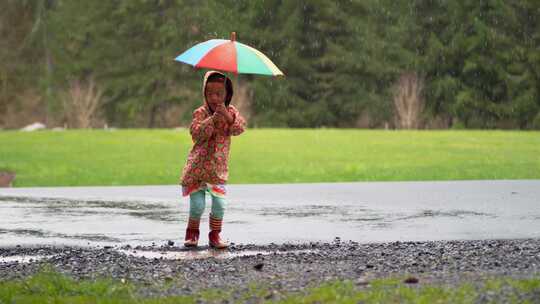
(215, 94)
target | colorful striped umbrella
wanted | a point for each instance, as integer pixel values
(229, 56)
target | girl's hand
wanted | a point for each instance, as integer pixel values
(222, 110)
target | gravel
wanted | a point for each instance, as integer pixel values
(287, 267)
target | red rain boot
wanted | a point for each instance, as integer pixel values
(192, 233)
(213, 237)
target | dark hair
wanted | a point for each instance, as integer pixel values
(216, 78)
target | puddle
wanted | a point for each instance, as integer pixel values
(204, 254)
(76, 209)
(311, 211)
(23, 258)
(451, 213)
(156, 215)
(262, 214)
(62, 203)
(48, 234)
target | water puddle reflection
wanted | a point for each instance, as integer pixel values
(363, 212)
(204, 254)
(49, 234)
(449, 213)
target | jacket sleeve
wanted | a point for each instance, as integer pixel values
(239, 125)
(202, 126)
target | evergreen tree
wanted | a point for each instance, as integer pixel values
(475, 58)
(24, 50)
(129, 48)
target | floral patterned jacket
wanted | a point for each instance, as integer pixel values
(207, 162)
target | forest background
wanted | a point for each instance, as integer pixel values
(348, 64)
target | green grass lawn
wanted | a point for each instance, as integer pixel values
(51, 287)
(145, 157)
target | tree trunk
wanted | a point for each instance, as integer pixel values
(408, 100)
(243, 97)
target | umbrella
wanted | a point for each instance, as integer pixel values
(229, 56)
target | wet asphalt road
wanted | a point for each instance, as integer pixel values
(261, 214)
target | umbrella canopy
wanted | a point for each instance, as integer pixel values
(229, 56)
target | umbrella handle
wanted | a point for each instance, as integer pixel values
(233, 36)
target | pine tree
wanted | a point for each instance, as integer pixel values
(129, 48)
(474, 54)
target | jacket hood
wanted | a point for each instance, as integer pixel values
(228, 88)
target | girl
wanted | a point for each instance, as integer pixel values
(206, 169)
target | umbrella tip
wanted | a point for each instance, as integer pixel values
(233, 36)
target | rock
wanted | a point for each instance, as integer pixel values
(270, 295)
(411, 280)
(362, 282)
(258, 266)
(170, 243)
(34, 127)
